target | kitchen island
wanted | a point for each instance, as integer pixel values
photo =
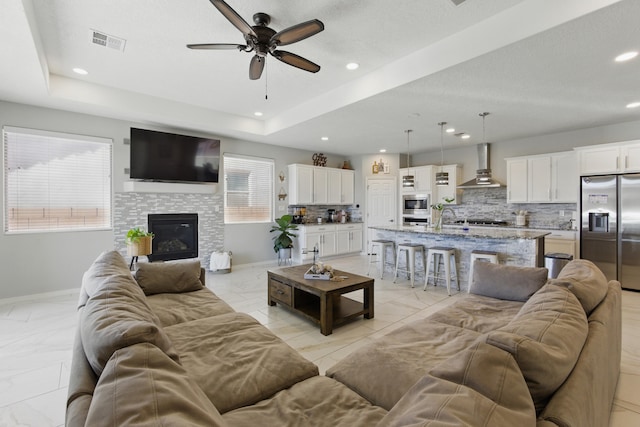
(519, 247)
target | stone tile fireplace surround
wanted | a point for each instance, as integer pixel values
(131, 210)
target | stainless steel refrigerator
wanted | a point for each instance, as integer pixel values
(610, 231)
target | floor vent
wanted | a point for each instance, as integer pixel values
(102, 39)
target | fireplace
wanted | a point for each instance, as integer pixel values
(175, 236)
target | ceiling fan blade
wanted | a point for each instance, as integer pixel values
(234, 18)
(217, 46)
(297, 32)
(296, 61)
(256, 67)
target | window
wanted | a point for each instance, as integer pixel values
(248, 189)
(55, 181)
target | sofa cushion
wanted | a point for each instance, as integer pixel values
(316, 401)
(482, 386)
(116, 314)
(478, 313)
(172, 309)
(142, 386)
(507, 282)
(546, 338)
(585, 281)
(237, 361)
(384, 370)
(172, 277)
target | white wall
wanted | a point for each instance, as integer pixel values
(49, 262)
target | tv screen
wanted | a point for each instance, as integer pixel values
(160, 156)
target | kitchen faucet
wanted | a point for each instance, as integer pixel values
(450, 210)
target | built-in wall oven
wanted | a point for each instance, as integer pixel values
(415, 220)
(415, 204)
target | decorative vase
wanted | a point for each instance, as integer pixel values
(437, 220)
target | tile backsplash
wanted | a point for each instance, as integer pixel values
(491, 203)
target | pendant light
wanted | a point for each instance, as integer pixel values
(442, 178)
(408, 180)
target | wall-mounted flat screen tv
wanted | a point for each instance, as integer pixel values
(161, 156)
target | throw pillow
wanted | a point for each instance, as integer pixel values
(169, 277)
(507, 282)
(546, 338)
(585, 281)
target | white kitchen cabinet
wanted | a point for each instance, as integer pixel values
(449, 191)
(348, 238)
(300, 184)
(347, 186)
(564, 177)
(539, 179)
(315, 185)
(310, 236)
(517, 180)
(320, 186)
(545, 178)
(609, 158)
(423, 179)
(334, 186)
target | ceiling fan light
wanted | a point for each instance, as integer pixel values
(442, 178)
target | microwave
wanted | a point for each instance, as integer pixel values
(415, 204)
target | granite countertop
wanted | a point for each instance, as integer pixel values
(331, 223)
(480, 231)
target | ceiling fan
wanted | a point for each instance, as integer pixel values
(263, 40)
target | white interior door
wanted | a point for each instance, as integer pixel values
(382, 204)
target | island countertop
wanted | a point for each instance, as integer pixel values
(477, 232)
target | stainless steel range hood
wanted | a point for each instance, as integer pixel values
(483, 177)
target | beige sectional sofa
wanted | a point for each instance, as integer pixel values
(161, 349)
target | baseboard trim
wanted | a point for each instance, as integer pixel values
(44, 295)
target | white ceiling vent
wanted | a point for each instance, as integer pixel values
(103, 39)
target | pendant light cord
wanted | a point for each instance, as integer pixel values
(442, 124)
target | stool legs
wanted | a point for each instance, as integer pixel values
(410, 262)
(448, 258)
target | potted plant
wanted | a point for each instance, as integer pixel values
(138, 242)
(282, 241)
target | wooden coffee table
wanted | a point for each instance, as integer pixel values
(321, 301)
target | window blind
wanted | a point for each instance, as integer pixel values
(248, 189)
(55, 181)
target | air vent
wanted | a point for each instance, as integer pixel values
(102, 39)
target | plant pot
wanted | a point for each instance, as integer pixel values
(139, 248)
(284, 255)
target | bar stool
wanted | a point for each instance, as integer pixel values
(488, 256)
(411, 249)
(379, 246)
(448, 257)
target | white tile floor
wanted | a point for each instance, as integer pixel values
(36, 337)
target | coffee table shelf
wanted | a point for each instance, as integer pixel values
(320, 301)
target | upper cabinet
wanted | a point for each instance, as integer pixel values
(300, 184)
(547, 178)
(449, 191)
(422, 176)
(315, 185)
(517, 180)
(609, 158)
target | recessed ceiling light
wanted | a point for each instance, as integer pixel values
(465, 136)
(450, 130)
(325, 138)
(633, 105)
(626, 56)
(258, 114)
(383, 150)
(352, 66)
(80, 71)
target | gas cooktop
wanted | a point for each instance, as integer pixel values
(482, 222)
